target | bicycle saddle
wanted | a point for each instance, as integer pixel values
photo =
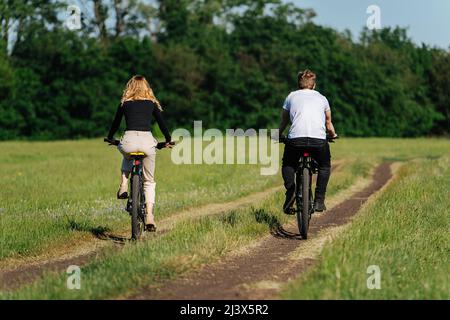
(136, 154)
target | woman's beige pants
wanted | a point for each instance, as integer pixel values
(141, 141)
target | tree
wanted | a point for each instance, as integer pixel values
(16, 16)
(439, 78)
(229, 63)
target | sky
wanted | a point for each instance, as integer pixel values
(428, 21)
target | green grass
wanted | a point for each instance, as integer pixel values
(187, 246)
(384, 149)
(191, 243)
(59, 192)
(405, 232)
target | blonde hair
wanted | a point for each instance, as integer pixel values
(306, 79)
(138, 88)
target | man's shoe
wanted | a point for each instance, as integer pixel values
(288, 203)
(319, 205)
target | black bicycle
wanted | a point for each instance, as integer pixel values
(136, 204)
(304, 202)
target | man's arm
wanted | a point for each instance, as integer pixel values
(284, 121)
(329, 124)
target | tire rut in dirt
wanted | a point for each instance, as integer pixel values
(13, 279)
(225, 279)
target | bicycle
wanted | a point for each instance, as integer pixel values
(136, 205)
(304, 201)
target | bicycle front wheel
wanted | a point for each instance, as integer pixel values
(136, 228)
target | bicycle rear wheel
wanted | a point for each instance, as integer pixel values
(303, 212)
(136, 223)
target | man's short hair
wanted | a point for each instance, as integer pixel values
(306, 79)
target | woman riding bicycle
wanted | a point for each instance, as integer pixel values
(139, 106)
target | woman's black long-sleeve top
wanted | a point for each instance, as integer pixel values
(138, 116)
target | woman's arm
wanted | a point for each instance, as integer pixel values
(116, 122)
(162, 125)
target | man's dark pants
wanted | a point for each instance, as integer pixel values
(319, 150)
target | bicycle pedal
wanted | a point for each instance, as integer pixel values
(292, 211)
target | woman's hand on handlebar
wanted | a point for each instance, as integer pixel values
(111, 141)
(169, 144)
(166, 144)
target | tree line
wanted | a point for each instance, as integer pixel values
(229, 63)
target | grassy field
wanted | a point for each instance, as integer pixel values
(405, 232)
(192, 243)
(59, 193)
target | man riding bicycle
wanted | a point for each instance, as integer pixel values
(310, 115)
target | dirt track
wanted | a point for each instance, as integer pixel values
(232, 278)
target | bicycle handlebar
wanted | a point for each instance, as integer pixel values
(112, 142)
(162, 145)
(331, 139)
(159, 145)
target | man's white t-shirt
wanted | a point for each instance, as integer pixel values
(307, 112)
